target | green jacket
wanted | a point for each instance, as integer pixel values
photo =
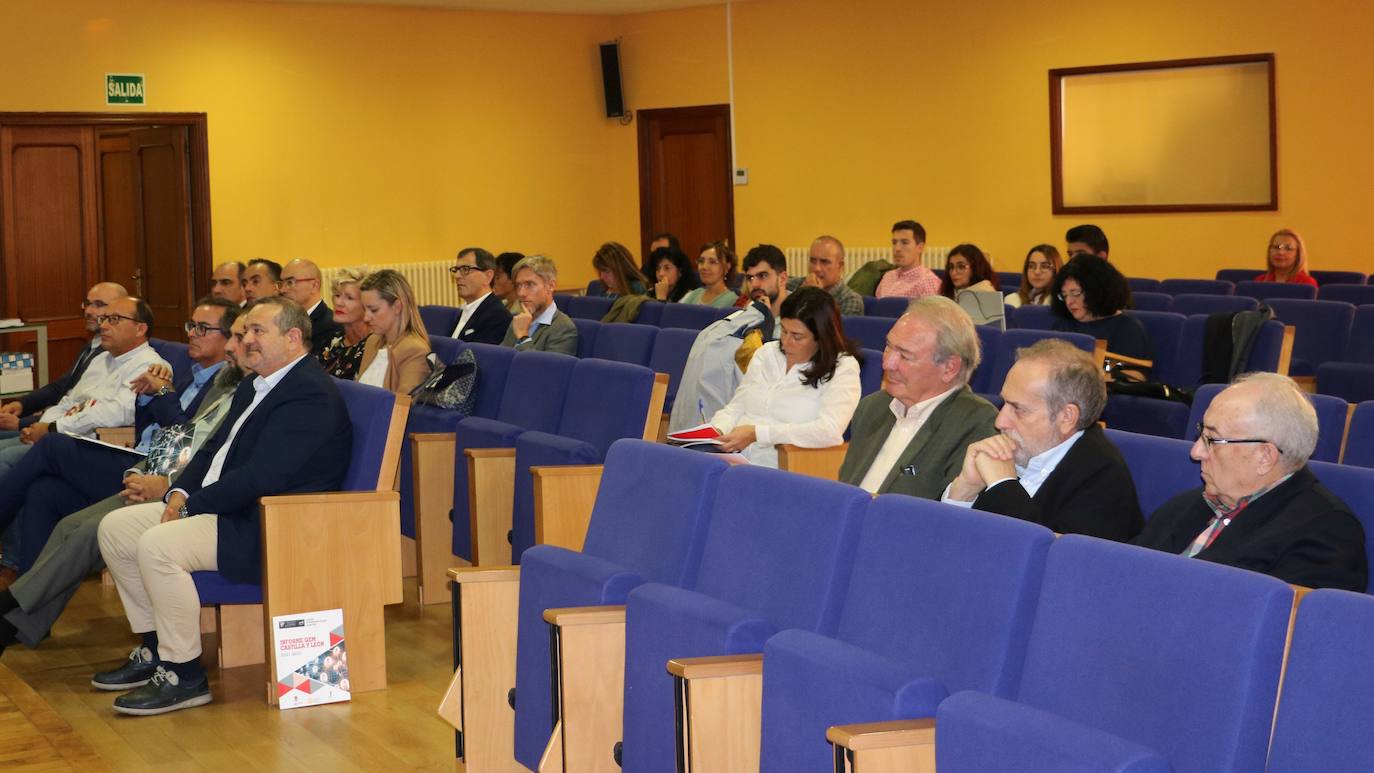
(865, 280)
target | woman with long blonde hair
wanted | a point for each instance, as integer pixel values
(397, 355)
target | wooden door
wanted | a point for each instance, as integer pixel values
(48, 234)
(685, 176)
(162, 226)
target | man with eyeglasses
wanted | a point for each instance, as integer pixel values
(1260, 507)
(484, 318)
(1086, 239)
(227, 282)
(24, 411)
(261, 279)
(1050, 463)
(301, 282)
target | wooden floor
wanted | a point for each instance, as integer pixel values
(52, 719)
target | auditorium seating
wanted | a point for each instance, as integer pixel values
(777, 555)
(1138, 660)
(1266, 290)
(1238, 274)
(357, 556)
(587, 330)
(1033, 317)
(870, 332)
(1189, 304)
(671, 347)
(1352, 378)
(1008, 281)
(1331, 416)
(650, 313)
(592, 307)
(176, 354)
(1161, 467)
(691, 316)
(887, 307)
(1323, 328)
(623, 342)
(987, 346)
(1197, 287)
(1151, 301)
(870, 371)
(1359, 444)
(1003, 357)
(596, 288)
(1354, 486)
(1140, 284)
(440, 320)
(1359, 295)
(1325, 278)
(911, 631)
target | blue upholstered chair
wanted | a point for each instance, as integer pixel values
(361, 522)
(1359, 445)
(1331, 415)
(561, 300)
(1031, 318)
(691, 316)
(1140, 284)
(987, 346)
(632, 538)
(1359, 295)
(778, 554)
(440, 320)
(1197, 287)
(671, 347)
(1265, 290)
(1165, 330)
(587, 331)
(887, 307)
(1161, 467)
(1352, 378)
(1008, 281)
(592, 307)
(1004, 356)
(912, 629)
(1323, 328)
(870, 371)
(1189, 304)
(1354, 485)
(1234, 275)
(1151, 301)
(1328, 687)
(536, 385)
(870, 332)
(596, 288)
(650, 313)
(1138, 661)
(446, 348)
(605, 402)
(176, 354)
(1325, 278)
(623, 342)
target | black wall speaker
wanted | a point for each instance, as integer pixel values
(610, 80)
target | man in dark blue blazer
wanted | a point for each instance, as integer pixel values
(483, 318)
(287, 432)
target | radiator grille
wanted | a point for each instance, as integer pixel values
(798, 258)
(431, 280)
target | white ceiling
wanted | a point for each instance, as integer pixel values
(606, 7)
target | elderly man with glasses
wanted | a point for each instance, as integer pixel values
(1260, 507)
(484, 316)
(301, 282)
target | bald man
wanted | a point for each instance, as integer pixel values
(826, 261)
(301, 282)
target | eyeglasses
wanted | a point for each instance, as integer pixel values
(112, 319)
(291, 281)
(1216, 441)
(85, 304)
(465, 270)
(1284, 247)
(1072, 295)
(200, 328)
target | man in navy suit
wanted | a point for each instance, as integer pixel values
(287, 432)
(301, 282)
(484, 318)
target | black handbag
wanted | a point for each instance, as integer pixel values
(452, 387)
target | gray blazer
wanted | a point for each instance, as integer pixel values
(934, 456)
(560, 336)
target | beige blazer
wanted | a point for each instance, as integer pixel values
(407, 366)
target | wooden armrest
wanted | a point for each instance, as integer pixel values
(1128, 360)
(716, 666)
(489, 453)
(120, 436)
(568, 617)
(564, 496)
(883, 735)
(657, 397)
(474, 574)
(431, 437)
(817, 462)
(1286, 349)
(431, 456)
(491, 503)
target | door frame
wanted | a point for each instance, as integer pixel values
(198, 166)
(643, 118)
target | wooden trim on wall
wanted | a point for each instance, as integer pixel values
(1057, 148)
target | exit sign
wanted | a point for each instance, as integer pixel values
(123, 89)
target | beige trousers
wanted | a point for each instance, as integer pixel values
(152, 564)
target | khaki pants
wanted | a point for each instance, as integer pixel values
(152, 564)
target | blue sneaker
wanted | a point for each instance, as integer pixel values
(135, 672)
(164, 692)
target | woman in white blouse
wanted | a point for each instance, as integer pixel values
(801, 389)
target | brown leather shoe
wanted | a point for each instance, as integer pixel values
(7, 577)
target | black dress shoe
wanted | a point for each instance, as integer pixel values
(135, 672)
(163, 693)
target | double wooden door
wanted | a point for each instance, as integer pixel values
(86, 203)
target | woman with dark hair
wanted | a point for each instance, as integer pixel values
(1090, 296)
(716, 266)
(1287, 259)
(615, 267)
(801, 389)
(967, 268)
(502, 285)
(673, 270)
(1037, 277)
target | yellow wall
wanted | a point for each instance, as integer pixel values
(353, 134)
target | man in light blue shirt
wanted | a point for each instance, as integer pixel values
(540, 326)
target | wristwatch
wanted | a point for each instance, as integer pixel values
(181, 511)
(166, 389)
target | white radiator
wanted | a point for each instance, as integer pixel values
(431, 281)
(799, 258)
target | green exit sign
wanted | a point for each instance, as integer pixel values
(123, 89)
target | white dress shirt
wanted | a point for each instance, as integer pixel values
(102, 398)
(375, 375)
(262, 385)
(465, 314)
(1032, 476)
(782, 409)
(909, 422)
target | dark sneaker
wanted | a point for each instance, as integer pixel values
(163, 693)
(135, 672)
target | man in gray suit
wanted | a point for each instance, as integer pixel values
(911, 438)
(31, 605)
(540, 326)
